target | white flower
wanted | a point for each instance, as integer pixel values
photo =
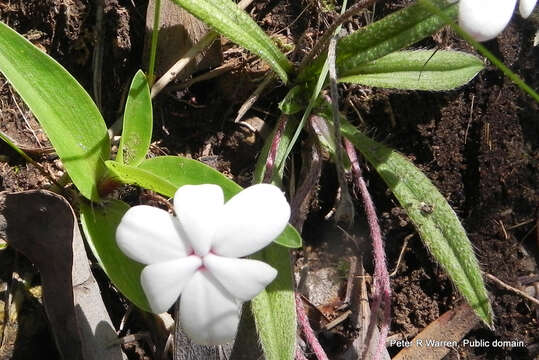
(195, 254)
(485, 19)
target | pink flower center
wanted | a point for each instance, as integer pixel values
(202, 267)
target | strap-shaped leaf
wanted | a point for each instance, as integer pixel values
(394, 32)
(165, 174)
(63, 108)
(436, 222)
(416, 70)
(99, 223)
(274, 309)
(229, 20)
(137, 124)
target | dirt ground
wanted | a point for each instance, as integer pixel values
(478, 144)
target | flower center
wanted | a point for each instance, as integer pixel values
(202, 267)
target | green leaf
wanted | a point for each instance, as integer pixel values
(482, 50)
(274, 309)
(137, 124)
(237, 25)
(65, 111)
(165, 174)
(416, 70)
(99, 223)
(128, 174)
(289, 238)
(436, 222)
(181, 171)
(294, 101)
(394, 32)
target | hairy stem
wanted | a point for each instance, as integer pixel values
(382, 291)
(345, 208)
(310, 337)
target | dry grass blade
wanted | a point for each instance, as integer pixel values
(186, 58)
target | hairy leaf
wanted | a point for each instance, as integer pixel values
(436, 222)
(416, 70)
(394, 32)
(229, 20)
(274, 309)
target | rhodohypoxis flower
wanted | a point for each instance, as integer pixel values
(196, 254)
(485, 19)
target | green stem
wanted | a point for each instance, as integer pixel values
(155, 35)
(483, 50)
(19, 151)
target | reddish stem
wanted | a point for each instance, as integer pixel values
(310, 337)
(299, 354)
(272, 154)
(382, 288)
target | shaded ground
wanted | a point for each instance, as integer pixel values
(478, 144)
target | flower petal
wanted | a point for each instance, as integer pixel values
(197, 208)
(163, 282)
(149, 235)
(526, 7)
(243, 278)
(209, 315)
(250, 221)
(485, 19)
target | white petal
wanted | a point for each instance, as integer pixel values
(163, 282)
(251, 220)
(526, 7)
(148, 235)
(243, 278)
(197, 208)
(209, 315)
(485, 19)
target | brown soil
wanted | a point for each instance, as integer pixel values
(478, 144)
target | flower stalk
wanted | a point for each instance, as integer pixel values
(382, 288)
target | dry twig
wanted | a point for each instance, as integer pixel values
(511, 288)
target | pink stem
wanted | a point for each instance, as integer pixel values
(272, 154)
(382, 286)
(299, 354)
(310, 337)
